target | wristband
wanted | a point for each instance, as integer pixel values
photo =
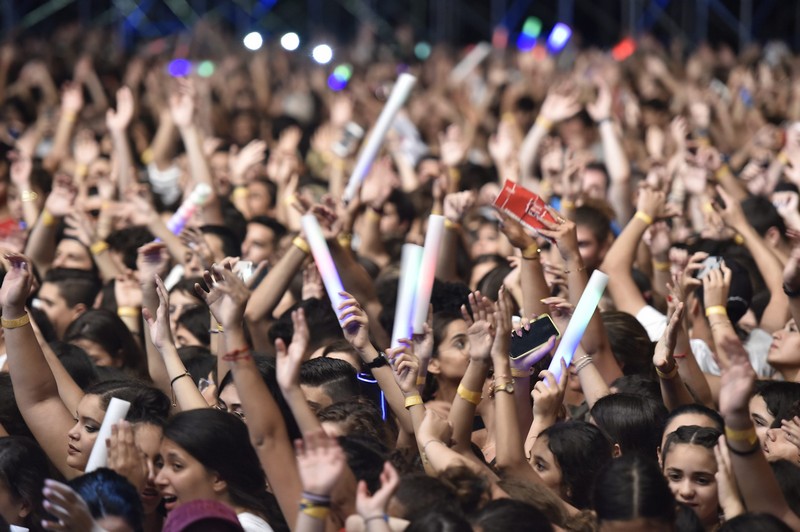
(715, 310)
(16, 322)
(661, 266)
(239, 192)
(28, 195)
(81, 169)
(98, 247)
(643, 216)
(531, 252)
(468, 395)
(455, 174)
(47, 219)
(300, 243)
(373, 214)
(749, 435)
(722, 171)
(520, 374)
(544, 122)
(669, 375)
(243, 353)
(421, 380)
(345, 240)
(455, 226)
(383, 517)
(738, 239)
(783, 158)
(567, 204)
(316, 512)
(147, 156)
(413, 400)
(128, 312)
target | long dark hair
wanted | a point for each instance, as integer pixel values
(23, 469)
(440, 322)
(633, 422)
(107, 493)
(220, 442)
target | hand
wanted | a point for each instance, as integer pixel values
(127, 291)
(226, 297)
(378, 185)
(716, 285)
(375, 505)
(651, 202)
(193, 238)
(561, 103)
(560, 310)
(695, 178)
(434, 427)
(125, 457)
(678, 128)
(181, 103)
(502, 320)
(87, 150)
(732, 214)
(548, 395)
(502, 147)
(456, 204)
(727, 488)
(658, 238)
(71, 99)
(289, 140)
(21, 168)
(514, 231)
(564, 233)
(738, 379)
(70, 510)
(786, 202)
(405, 366)
(354, 321)
(288, 360)
(240, 162)
(700, 114)
(688, 281)
(791, 272)
(151, 261)
(423, 343)
(80, 227)
(118, 121)
(312, 283)
(791, 429)
(61, 199)
(665, 348)
(480, 326)
(17, 285)
(600, 109)
(320, 462)
(452, 146)
(160, 331)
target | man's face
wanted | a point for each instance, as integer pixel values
(56, 308)
(259, 243)
(592, 251)
(593, 183)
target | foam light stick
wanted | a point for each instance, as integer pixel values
(427, 271)
(116, 412)
(400, 91)
(323, 259)
(197, 198)
(410, 263)
(558, 38)
(579, 321)
(470, 62)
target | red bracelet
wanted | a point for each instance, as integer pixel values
(243, 353)
(679, 355)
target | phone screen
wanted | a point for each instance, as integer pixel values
(537, 335)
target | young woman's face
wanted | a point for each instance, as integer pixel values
(452, 356)
(148, 439)
(687, 419)
(82, 435)
(97, 353)
(545, 463)
(690, 471)
(181, 478)
(762, 419)
(777, 447)
(785, 347)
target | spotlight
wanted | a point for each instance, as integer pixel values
(179, 68)
(559, 36)
(290, 41)
(339, 77)
(253, 41)
(322, 54)
(530, 31)
(422, 50)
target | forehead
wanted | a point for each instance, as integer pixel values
(50, 291)
(260, 231)
(454, 328)
(691, 457)
(181, 297)
(89, 406)
(688, 419)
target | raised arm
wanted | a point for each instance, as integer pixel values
(289, 360)
(42, 240)
(673, 391)
(117, 122)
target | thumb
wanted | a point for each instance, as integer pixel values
(361, 491)
(280, 348)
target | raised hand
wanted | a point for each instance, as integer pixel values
(561, 103)
(61, 199)
(716, 285)
(118, 121)
(21, 168)
(452, 146)
(663, 358)
(320, 462)
(502, 147)
(354, 321)
(480, 326)
(68, 508)
(564, 233)
(728, 491)
(514, 231)
(251, 155)
(17, 285)
(502, 321)
(288, 360)
(312, 283)
(405, 366)
(125, 457)
(791, 272)
(71, 98)
(182, 104)
(548, 395)
(374, 506)
(151, 261)
(193, 238)
(160, 331)
(227, 295)
(80, 227)
(600, 109)
(457, 203)
(738, 379)
(127, 291)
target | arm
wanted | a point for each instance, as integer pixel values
(288, 373)
(559, 105)
(534, 285)
(42, 240)
(673, 391)
(455, 205)
(320, 464)
(117, 123)
(150, 263)
(71, 105)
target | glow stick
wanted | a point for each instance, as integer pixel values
(402, 88)
(116, 412)
(427, 271)
(410, 263)
(196, 199)
(579, 321)
(323, 259)
(470, 62)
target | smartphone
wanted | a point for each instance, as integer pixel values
(711, 263)
(350, 137)
(244, 269)
(537, 334)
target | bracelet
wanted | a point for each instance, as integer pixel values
(48, 220)
(520, 374)
(98, 247)
(69, 116)
(243, 353)
(790, 292)
(544, 122)
(661, 266)
(669, 375)
(716, 310)
(16, 322)
(749, 435)
(425, 445)
(738, 239)
(413, 400)
(28, 195)
(316, 512)
(239, 191)
(312, 499)
(643, 216)
(680, 355)
(172, 382)
(782, 157)
(531, 252)
(752, 450)
(384, 517)
(374, 214)
(345, 240)
(468, 395)
(300, 243)
(455, 174)
(567, 204)
(128, 312)
(579, 367)
(578, 269)
(421, 380)
(448, 224)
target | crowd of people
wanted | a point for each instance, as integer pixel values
(256, 405)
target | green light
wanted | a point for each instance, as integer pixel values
(205, 69)
(343, 72)
(532, 27)
(422, 50)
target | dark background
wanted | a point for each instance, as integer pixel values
(596, 22)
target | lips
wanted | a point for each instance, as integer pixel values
(170, 501)
(72, 450)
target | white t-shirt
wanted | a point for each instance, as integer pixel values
(253, 523)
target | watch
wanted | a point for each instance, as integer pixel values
(508, 387)
(378, 362)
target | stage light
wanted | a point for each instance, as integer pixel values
(422, 50)
(530, 31)
(322, 54)
(559, 36)
(335, 83)
(253, 41)
(339, 77)
(290, 41)
(179, 68)
(624, 49)
(205, 69)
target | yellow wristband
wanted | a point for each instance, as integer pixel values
(28, 196)
(783, 158)
(468, 395)
(16, 322)
(455, 174)
(373, 214)
(738, 239)
(421, 380)
(413, 400)
(47, 219)
(300, 243)
(749, 435)
(147, 156)
(544, 123)
(531, 252)
(239, 192)
(643, 216)
(317, 512)
(98, 247)
(345, 239)
(716, 310)
(81, 169)
(661, 266)
(128, 312)
(722, 171)
(520, 374)
(455, 226)
(669, 375)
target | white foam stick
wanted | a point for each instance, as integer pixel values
(470, 62)
(402, 88)
(410, 263)
(579, 321)
(116, 412)
(427, 271)
(322, 257)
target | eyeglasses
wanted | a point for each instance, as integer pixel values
(221, 406)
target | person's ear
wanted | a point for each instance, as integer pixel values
(617, 451)
(218, 484)
(433, 366)
(658, 453)
(773, 236)
(25, 509)
(79, 309)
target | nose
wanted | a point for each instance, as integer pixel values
(686, 490)
(74, 433)
(772, 434)
(160, 479)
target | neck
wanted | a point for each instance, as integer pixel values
(701, 331)
(446, 390)
(790, 374)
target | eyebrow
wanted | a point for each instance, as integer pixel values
(460, 336)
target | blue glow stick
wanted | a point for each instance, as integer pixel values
(322, 257)
(559, 36)
(579, 321)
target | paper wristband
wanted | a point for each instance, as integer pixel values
(427, 271)
(410, 262)
(323, 259)
(400, 91)
(116, 412)
(579, 321)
